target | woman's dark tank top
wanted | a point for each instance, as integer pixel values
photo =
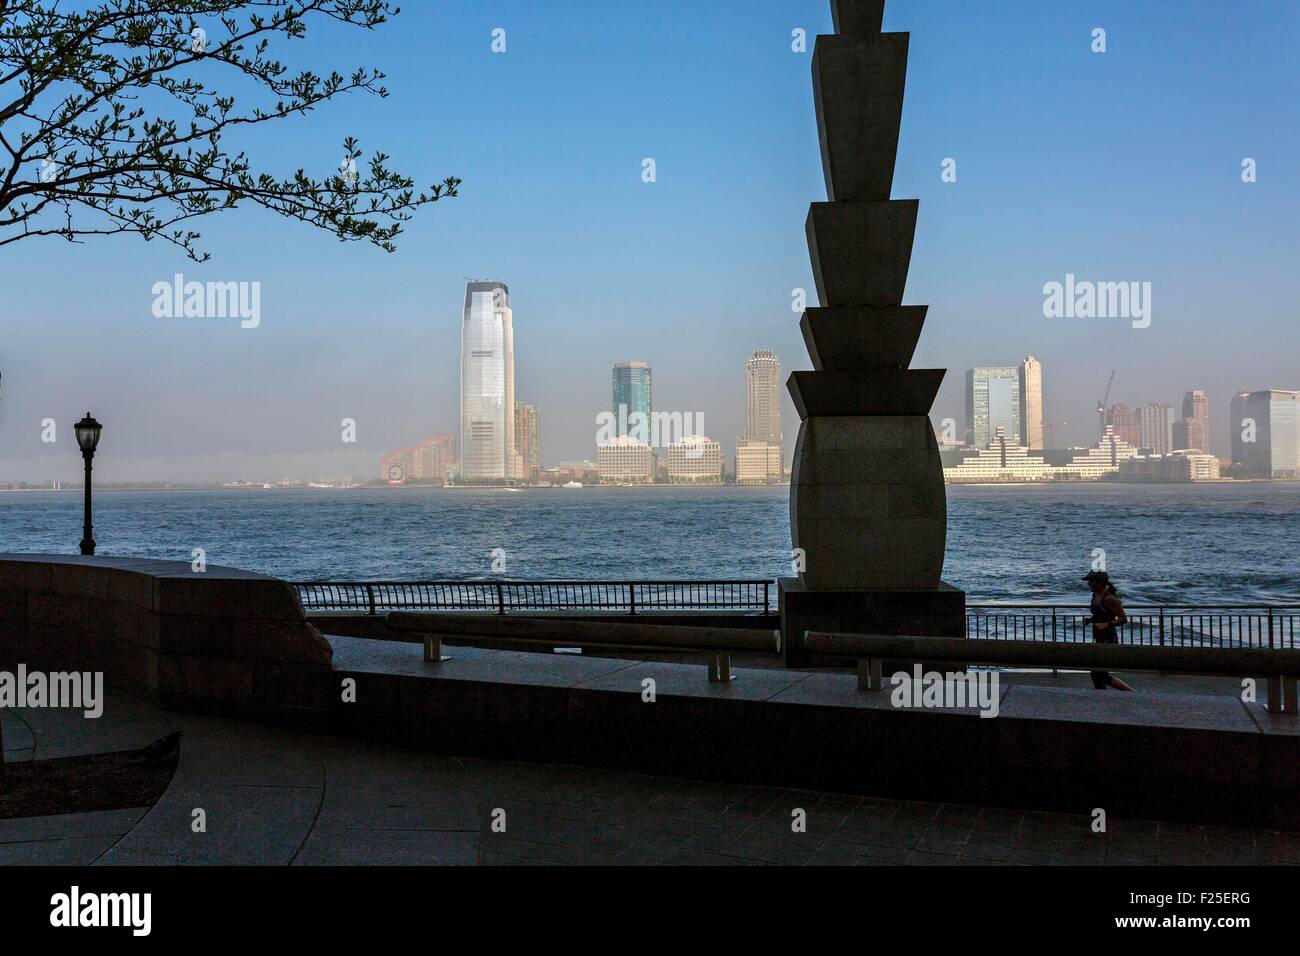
(1102, 615)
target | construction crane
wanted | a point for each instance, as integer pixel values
(1101, 405)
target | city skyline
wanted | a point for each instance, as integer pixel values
(629, 267)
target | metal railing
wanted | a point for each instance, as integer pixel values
(1174, 625)
(1169, 625)
(617, 597)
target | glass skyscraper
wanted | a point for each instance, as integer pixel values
(992, 400)
(632, 396)
(1156, 428)
(1275, 451)
(1237, 416)
(487, 384)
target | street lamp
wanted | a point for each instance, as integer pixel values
(87, 437)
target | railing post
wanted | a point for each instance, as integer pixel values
(1162, 626)
(766, 598)
(631, 597)
(1270, 627)
(370, 599)
(501, 599)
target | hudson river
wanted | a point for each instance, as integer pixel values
(1209, 543)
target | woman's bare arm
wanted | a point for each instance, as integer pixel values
(1113, 605)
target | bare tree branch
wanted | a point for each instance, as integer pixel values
(108, 129)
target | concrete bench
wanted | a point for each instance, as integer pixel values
(716, 643)
(1280, 668)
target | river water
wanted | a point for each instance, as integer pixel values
(1205, 543)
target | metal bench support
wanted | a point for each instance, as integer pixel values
(433, 649)
(869, 676)
(1282, 694)
(720, 668)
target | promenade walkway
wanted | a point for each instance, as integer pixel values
(277, 797)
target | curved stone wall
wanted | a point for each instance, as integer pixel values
(218, 641)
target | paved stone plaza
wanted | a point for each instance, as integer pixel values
(277, 797)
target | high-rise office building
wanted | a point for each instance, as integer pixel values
(992, 401)
(487, 384)
(1031, 403)
(632, 396)
(1156, 428)
(528, 421)
(762, 444)
(1237, 427)
(1124, 421)
(763, 397)
(1274, 423)
(1192, 432)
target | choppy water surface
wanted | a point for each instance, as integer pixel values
(1214, 543)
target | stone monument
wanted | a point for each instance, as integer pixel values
(868, 510)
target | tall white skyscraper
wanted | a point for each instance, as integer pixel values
(487, 385)
(1031, 403)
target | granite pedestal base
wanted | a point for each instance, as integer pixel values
(939, 613)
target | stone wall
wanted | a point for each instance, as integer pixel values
(220, 641)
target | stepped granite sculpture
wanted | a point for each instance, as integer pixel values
(868, 511)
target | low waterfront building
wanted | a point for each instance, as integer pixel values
(572, 470)
(1003, 460)
(1182, 465)
(1101, 459)
(759, 462)
(696, 459)
(625, 461)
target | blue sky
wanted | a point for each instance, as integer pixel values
(1116, 166)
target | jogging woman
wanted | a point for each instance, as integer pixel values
(1107, 614)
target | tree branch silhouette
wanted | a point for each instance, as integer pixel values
(111, 122)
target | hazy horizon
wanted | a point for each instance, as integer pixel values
(1123, 166)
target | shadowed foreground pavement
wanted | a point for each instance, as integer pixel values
(277, 797)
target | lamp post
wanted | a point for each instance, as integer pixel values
(87, 437)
